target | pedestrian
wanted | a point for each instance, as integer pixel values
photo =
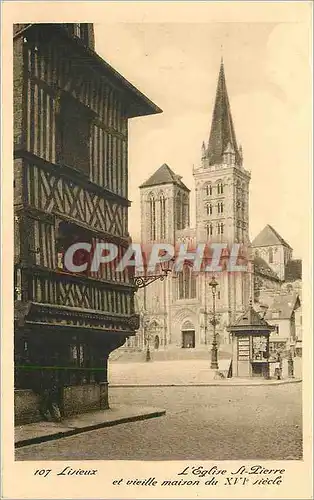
(278, 366)
(49, 395)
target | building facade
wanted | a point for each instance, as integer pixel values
(71, 112)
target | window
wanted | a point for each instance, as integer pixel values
(220, 228)
(77, 30)
(179, 212)
(270, 256)
(220, 207)
(220, 188)
(186, 284)
(80, 30)
(68, 234)
(162, 217)
(152, 211)
(209, 230)
(218, 295)
(209, 209)
(209, 190)
(83, 360)
(74, 129)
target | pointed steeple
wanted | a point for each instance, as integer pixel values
(222, 134)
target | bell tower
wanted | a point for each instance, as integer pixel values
(164, 206)
(221, 182)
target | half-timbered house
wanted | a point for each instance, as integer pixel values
(71, 112)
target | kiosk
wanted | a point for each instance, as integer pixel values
(250, 345)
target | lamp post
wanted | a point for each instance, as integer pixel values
(143, 282)
(290, 362)
(148, 357)
(214, 354)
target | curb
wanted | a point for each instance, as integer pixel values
(79, 430)
(213, 384)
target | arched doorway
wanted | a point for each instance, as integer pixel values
(188, 335)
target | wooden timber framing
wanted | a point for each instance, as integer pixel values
(71, 112)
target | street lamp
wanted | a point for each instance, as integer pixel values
(214, 358)
(144, 281)
(147, 336)
(290, 362)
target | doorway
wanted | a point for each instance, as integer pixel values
(188, 339)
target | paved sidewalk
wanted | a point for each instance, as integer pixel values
(184, 373)
(46, 431)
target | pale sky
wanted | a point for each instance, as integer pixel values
(268, 76)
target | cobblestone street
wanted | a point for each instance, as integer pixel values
(201, 423)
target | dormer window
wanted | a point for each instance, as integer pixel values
(83, 31)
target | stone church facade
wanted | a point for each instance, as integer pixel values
(177, 312)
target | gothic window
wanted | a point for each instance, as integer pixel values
(209, 230)
(220, 207)
(209, 209)
(186, 216)
(270, 256)
(162, 217)
(179, 212)
(152, 212)
(186, 284)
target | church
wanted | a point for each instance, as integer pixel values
(177, 312)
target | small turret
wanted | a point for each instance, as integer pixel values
(229, 155)
(203, 153)
(241, 154)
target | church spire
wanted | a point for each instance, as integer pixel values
(222, 134)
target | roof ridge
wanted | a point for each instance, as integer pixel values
(164, 175)
(278, 235)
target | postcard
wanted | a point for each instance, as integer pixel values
(157, 250)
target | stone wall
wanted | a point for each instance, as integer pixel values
(76, 399)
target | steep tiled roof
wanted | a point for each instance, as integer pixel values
(261, 267)
(222, 135)
(268, 237)
(293, 270)
(283, 306)
(164, 175)
(251, 318)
